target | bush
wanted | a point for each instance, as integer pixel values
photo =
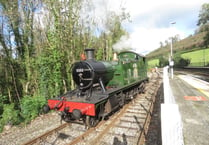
(10, 115)
(1, 110)
(1, 125)
(3, 100)
(181, 62)
(163, 61)
(31, 107)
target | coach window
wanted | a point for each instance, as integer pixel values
(144, 59)
(136, 57)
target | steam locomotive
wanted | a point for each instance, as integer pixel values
(102, 87)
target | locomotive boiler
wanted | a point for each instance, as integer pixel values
(102, 87)
(87, 73)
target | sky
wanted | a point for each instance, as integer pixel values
(151, 21)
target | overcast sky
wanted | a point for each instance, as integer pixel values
(151, 20)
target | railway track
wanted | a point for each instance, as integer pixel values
(197, 73)
(45, 135)
(129, 125)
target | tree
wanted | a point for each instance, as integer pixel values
(203, 21)
(39, 42)
(161, 44)
(9, 65)
(203, 14)
(163, 61)
(166, 43)
(176, 38)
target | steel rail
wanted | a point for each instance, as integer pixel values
(41, 137)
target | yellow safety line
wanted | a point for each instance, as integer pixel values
(199, 89)
(204, 92)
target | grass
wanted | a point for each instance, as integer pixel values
(197, 57)
(153, 63)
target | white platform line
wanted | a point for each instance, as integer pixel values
(171, 124)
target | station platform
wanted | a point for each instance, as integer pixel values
(191, 95)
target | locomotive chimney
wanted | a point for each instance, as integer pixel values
(89, 53)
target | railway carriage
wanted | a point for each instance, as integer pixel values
(102, 87)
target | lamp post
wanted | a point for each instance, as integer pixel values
(171, 62)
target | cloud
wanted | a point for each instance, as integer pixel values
(145, 40)
(151, 20)
(144, 7)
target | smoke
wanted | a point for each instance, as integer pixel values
(95, 14)
(124, 43)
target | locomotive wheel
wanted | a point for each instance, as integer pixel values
(91, 121)
(122, 101)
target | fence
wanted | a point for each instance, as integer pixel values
(200, 64)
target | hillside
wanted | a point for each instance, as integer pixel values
(189, 43)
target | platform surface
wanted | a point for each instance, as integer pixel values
(192, 97)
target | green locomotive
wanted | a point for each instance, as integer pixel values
(131, 67)
(102, 87)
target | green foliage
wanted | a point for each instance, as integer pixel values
(204, 14)
(163, 61)
(153, 63)
(40, 60)
(10, 70)
(203, 22)
(1, 125)
(198, 57)
(116, 29)
(31, 107)
(3, 100)
(1, 109)
(203, 28)
(10, 114)
(50, 67)
(206, 39)
(99, 54)
(181, 62)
